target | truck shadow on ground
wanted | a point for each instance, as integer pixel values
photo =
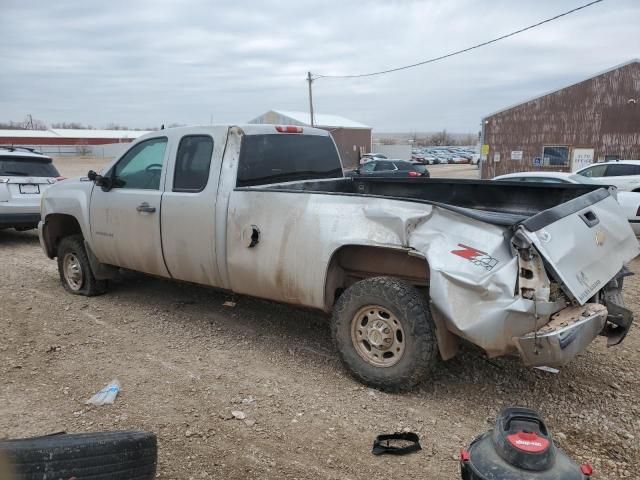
(305, 333)
(12, 238)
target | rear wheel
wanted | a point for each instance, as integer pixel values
(75, 270)
(384, 333)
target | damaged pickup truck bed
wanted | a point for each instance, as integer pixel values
(407, 266)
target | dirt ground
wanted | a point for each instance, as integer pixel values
(186, 362)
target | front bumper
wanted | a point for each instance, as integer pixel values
(568, 333)
(19, 220)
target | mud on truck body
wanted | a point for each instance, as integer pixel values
(407, 267)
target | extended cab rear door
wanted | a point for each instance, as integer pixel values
(125, 219)
(188, 219)
(585, 241)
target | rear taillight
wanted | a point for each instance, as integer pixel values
(288, 129)
(414, 174)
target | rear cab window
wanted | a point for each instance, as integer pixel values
(15, 166)
(277, 158)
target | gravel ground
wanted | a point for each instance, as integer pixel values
(186, 362)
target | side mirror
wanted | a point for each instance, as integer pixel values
(99, 180)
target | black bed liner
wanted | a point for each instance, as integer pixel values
(499, 203)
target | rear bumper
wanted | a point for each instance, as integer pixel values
(568, 333)
(19, 220)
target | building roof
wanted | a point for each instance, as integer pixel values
(321, 120)
(27, 133)
(630, 62)
(85, 133)
(72, 133)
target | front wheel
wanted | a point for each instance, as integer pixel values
(75, 270)
(384, 333)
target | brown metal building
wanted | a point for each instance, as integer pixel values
(352, 138)
(594, 120)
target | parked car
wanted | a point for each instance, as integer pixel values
(24, 175)
(456, 159)
(624, 174)
(407, 266)
(386, 168)
(629, 201)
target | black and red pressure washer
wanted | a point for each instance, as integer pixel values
(520, 446)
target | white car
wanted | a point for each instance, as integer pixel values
(24, 175)
(629, 201)
(624, 174)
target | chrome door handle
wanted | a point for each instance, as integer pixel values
(144, 207)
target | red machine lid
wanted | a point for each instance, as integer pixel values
(528, 442)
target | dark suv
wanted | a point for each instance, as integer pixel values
(387, 168)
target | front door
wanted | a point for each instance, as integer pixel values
(125, 220)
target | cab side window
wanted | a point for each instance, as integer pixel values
(141, 166)
(595, 171)
(192, 163)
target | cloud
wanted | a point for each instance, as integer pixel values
(143, 63)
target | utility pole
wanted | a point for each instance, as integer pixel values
(310, 79)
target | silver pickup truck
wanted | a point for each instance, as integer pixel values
(407, 266)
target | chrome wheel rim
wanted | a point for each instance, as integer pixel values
(73, 271)
(378, 336)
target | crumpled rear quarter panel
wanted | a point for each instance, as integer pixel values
(473, 292)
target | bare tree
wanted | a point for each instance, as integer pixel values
(441, 138)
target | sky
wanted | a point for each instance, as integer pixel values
(146, 63)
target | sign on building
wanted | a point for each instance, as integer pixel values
(516, 155)
(484, 151)
(496, 157)
(581, 157)
(537, 162)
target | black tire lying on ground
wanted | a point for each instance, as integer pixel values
(130, 455)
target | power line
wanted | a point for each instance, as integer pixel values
(458, 52)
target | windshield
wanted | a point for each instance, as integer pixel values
(27, 167)
(276, 158)
(419, 167)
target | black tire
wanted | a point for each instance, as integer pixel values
(411, 309)
(88, 285)
(130, 455)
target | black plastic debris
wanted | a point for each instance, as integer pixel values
(399, 443)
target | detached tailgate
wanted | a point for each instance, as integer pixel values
(586, 241)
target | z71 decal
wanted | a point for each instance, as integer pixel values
(475, 256)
